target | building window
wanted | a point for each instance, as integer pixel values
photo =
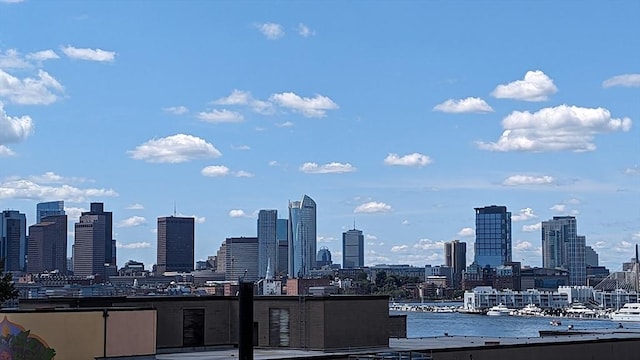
(278, 327)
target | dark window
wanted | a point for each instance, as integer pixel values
(192, 327)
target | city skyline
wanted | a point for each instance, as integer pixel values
(405, 122)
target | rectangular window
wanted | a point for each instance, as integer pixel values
(279, 327)
(192, 327)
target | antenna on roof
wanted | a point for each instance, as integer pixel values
(354, 223)
(174, 208)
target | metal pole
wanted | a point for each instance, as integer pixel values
(245, 320)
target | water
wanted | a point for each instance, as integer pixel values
(427, 324)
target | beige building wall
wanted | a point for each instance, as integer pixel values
(131, 333)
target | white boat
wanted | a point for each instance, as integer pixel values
(579, 310)
(499, 310)
(629, 312)
(530, 310)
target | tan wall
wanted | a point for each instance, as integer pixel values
(131, 332)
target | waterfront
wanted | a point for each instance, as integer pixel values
(427, 324)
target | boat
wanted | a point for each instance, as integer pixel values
(530, 310)
(555, 322)
(629, 312)
(499, 310)
(579, 310)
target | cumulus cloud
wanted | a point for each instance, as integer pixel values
(326, 239)
(49, 177)
(132, 221)
(42, 90)
(536, 86)
(627, 80)
(285, 124)
(5, 151)
(89, 54)
(174, 149)
(372, 208)
(558, 208)
(242, 173)
(532, 228)
(466, 231)
(11, 59)
(370, 237)
(237, 97)
(238, 213)
(636, 236)
(524, 246)
(271, 31)
(415, 159)
(524, 214)
(31, 190)
(635, 170)
(330, 168)
(305, 31)
(176, 110)
(43, 55)
(405, 222)
(516, 180)
(316, 106)
(399, 248)
(221, 116)
(555, 129)
(468, 105)
(427, 244)
(135, 206)
(134, 245)
(215, 171)
(13, 129)
(241, 147)
(74, 212)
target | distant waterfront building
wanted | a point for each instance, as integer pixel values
(591, 257)
(13, 240)
(48, 209)
(241, 258)
(47, 245)
(455, 256)
(324, 257)
(352, 249)
(95, 248)
(493, 236)
(267, 242)
(563, 248)
(176, 237)
(302, 237)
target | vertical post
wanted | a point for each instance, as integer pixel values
(245, 320)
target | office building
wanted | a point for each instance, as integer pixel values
(49, 208)
(455, 256)
(302, 237)
(13, 240)
(241, 258)
(94, 236)
(176, 237)
(324, 257)
(590, 257)
(563, 248)
(267, 242)
(493, 236)
(47, 245)
(282, 227)
(352, 249)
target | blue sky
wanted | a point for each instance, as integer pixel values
(401, 116)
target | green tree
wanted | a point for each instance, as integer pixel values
(8, 290)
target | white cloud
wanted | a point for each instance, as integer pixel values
(30, 91)
(174, 149)
(11, 59)
(135, 206)
(330, 168)
(242, 173)
(304, 31)
(11, 1)
(415, 159)
(373, 257)
(176, 110)
(271, 31)
(524, 246)
(241, 147)
(14, 129)
(237, 97)
(28, 189)
(635, 170)
(372, 208)
(536, 86)
(558, 208)
(427, 244)
(5, 151)
(197, 219)
(573, 201)
(285, 124)
(532, 228)
(636, 236)
(524, 214)
(405, 222)
(466, 231)
(221, 116)
(468, 105)
(135, 245)
(555, 129)
(516, 180)
(309, 107)
(370, 237)
(262, 107)
(238, 213)
(628, 80)
(326, 239)
(132, 221)
(215, 171)
(43, 55)
(73, 213)
(399, 248)
(89, 54)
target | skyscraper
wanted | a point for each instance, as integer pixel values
(47, 245)
(563, 248)
(104, 239)
(175, 244)
(48, 209)
(591, 257)
(324, 257)
(302, 237)
(267, 242)
(493, 236)
(282, 227)
(455, 256)
(13, 240)
(241, 258)
(352, 249)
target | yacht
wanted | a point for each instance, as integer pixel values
(530, 310)
(499, 310)
(629, 312)
(579, 310)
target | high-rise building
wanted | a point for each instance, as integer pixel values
(241, 258)
(302, 237)
(591, 257)
(563, 248)
(493, 236)
(352, 249)
(47, 245)
(455, 256)
(13, 240)
(282, 226)
(324, 257)
(105, 239)
(267, 242)
(48, 209)
(176, 237)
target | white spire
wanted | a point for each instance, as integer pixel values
(267, 275)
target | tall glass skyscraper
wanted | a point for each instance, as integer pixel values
(267, 242)
(455, 256)
(50, 208)
(562, 247)
(13, 240)
(493, 236)
(302, 237)
(176, 236)
(352, 249)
